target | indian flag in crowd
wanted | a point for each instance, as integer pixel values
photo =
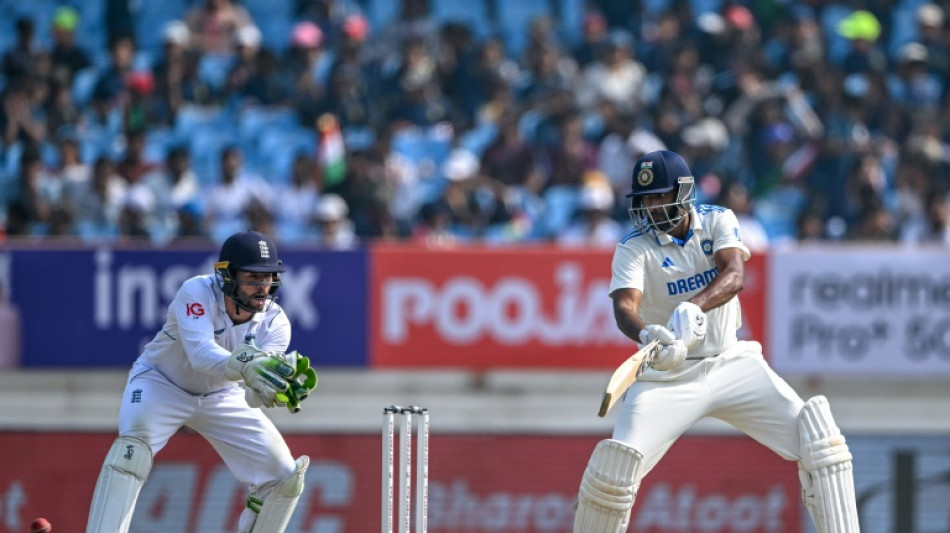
(331, 154)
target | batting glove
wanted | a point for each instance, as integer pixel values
(688, 322)
(672, 351)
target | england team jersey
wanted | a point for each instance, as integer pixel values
(668, 271)
(194, 345)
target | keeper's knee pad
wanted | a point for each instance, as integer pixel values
(825, 470)
(123, 473)
(273, 514)
(608, 488)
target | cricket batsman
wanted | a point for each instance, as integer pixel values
(675, 278)
(222, 329)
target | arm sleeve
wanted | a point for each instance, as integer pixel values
(194, 309)
(626, 269)
(726, 234)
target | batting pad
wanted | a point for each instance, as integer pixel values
(608, 488)
(825, 470)
(123, 473)
(279, 505)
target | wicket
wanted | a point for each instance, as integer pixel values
(406, 413)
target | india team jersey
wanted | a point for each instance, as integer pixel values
(194, 345)
(668, 272)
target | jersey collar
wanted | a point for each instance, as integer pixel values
(695, 226)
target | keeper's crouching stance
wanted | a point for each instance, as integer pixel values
(675, 279)
(222, 331)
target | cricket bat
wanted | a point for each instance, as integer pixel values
(626, 374)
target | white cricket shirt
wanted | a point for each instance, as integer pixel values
(668, 271)
(194, 345)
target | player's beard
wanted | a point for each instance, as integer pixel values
(256, 301)
(666, 218)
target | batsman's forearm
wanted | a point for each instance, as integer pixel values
(630, 325)
(722, 289)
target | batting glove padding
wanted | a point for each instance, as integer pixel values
(688, 323)
(672, 351)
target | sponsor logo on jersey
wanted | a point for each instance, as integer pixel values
(692, 283)
(194, 310)
(707, 246)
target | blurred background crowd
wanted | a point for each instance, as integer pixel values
(343, 122)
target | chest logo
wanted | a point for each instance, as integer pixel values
(707, 246)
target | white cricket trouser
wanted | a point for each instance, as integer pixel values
(153, 409)
(737, 387)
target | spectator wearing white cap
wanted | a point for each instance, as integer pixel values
(295, 203)
(704, 142)
(592, 225)
(930, 33)
(169, 71)
(336, 229)
(617, 77)
(911, 84)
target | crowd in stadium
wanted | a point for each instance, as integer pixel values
(347, 121)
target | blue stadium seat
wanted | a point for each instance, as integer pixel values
(571, 17)
(778, 212)
(423, 147)
(359, 137)
(41, 12)
(275, 20)
(838, 46)
(205, 144)
(151, 17)
(515, 17)
(191, 117)
(903, 25)
(84, 82)
(157, 144)
(253, 120)
(479, 138)
(11, 160)
(213, 69)
(381, 12)
(473, 14)
(560, 203)
(279, 146)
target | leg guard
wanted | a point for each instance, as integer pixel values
(275, 512)
(608, 488)
(826, 471)
(123, 473)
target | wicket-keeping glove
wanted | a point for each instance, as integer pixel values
(261, 371)
(300, 385)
